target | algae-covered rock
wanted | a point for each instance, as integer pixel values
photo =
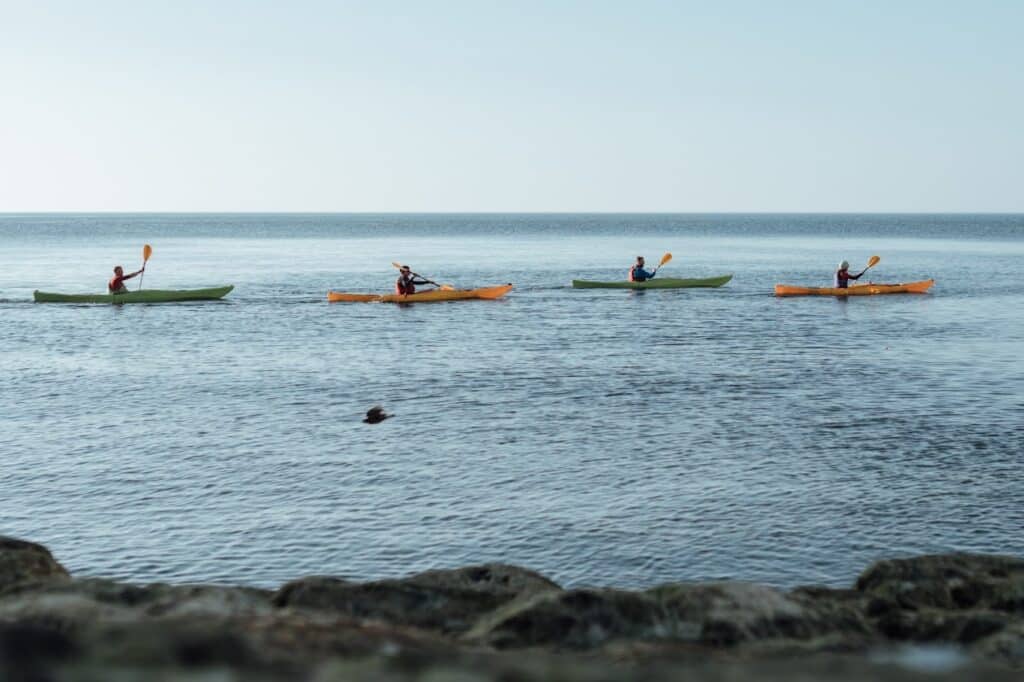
(731, 613)
(1005, 646)
(947, 581)
(575, 619)
(713, 615)
(497, 622)
(26, 561)
(448, 601)
(71, 604)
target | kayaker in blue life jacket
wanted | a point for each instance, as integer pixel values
(637, 272)
(843, 276)
(407, 281)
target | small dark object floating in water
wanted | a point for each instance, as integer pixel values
(375, 415)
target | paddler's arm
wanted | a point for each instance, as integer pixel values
(137, 272)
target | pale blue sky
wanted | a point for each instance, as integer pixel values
(512, 106)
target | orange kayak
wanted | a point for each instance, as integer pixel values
(868, 289)
(423, 296)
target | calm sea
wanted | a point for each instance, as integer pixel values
(599, 436)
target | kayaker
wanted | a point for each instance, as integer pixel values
(843, 276)
(406, 282)
(637, 272)
(116, 283)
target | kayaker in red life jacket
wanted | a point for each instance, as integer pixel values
(637, 272)
(843, 276)
(116, 283)
(406, 282)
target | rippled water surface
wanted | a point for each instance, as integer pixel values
(599, 436)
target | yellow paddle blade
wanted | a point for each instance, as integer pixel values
(147, 251)
(873, 261)
(664, 259)
(396, 264)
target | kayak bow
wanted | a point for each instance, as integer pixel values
(657, 283)
(423, 296)
(867, 289)
(144, 296)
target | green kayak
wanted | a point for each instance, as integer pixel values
(656, 283)
(144, 296)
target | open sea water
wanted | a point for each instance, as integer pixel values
(602, 437)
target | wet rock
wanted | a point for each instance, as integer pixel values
(188, 644)
(540, 666)
(26, 561)
(975, 601)
(22, 642)
(947, 581)
(448, 601)
(317, 635)
(932, 625)
(576, 619)
(501, 579)
(473, 623)
(1006, 646)
(29, 652)
(71, 604)
(732, 613)
(710, 615)
(283, 642)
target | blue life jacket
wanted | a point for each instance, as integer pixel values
(638, 274)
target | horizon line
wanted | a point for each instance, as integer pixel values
(497, 213)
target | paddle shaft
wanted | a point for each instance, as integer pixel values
(866, 269)
(664, 260)
(428, 281)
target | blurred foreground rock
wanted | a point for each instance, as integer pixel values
(940, 617)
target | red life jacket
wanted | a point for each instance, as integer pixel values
(115, 284)
(404, 287)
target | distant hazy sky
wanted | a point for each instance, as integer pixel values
(512, 106)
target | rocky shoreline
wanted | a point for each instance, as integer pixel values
(932, 617)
